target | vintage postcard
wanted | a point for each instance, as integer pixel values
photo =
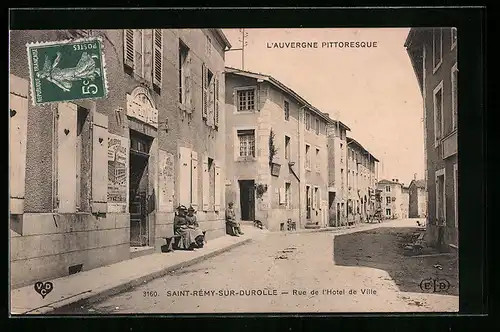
(233, 171)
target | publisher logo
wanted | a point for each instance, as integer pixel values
(435, 285)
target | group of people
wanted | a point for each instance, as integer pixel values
(192, 237)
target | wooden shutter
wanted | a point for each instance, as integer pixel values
(99, 163)
(66, 157)
(218, 187)
(184, 176)
(206, 184)
(204, 97)
(157, 56)
(194, 179)
(128, 48)
(188, 91)
(282, 193)
(18, 135)
(320, 206)
(313, 200)
(217, 104)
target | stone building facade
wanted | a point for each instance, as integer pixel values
(94, 182)
(391, 198)
(433, 53)
(276, 153)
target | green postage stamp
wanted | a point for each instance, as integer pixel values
(67, 70)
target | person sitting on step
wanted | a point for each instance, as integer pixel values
(232, 227)
(188, 234)
(192, 223)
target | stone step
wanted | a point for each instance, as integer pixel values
(312, 226)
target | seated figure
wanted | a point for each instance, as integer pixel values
(232, 227)
(192, 223)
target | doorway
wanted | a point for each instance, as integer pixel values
(308, 202)
(247, 199)
(139, 183)
(331, 209)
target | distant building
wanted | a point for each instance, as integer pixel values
(276, 153)
(391, 195)
(433, 54)
(337, 174)
(361, 181)
(418, 203)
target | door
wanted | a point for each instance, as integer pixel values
(247, 200)
(308, 202)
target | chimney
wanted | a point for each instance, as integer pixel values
(415, 176)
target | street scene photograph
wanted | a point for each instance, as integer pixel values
(188, 171)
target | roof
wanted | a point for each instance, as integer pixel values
(351, 140)
(285, 89)
(418, 183)
(414, 48)
(388, 182)
(219, 33)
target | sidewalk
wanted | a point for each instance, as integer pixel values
(100, 283)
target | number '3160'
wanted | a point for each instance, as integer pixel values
(89, 89)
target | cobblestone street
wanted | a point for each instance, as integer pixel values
(301, 272)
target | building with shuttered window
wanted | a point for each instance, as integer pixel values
(94, 182)
(277, 165)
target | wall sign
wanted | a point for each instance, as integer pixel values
(117, 173)
(141, 107)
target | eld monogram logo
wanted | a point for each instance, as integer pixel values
(434, 285)
(43, 288)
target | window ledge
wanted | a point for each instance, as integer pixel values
(245, 159)
(244, 112)
(438, 65)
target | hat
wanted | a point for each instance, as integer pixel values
(182, 208)
(230, 203)
(191, 208)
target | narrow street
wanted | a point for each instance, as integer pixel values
(362, 271)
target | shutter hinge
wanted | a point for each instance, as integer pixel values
(57, 113)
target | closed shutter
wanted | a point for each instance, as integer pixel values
(184, 176)
(188, 92)
(206, 184)
(66, 157)
(99, 163)
(128, 48)
(218, 187)
(194, 179)
(313, 201)
(211, 101)
(18, 135)
(204, 96)
(157, 56)
(217, 105)
(320, 201)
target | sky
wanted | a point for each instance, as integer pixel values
(373, 91)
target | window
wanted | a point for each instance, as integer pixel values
(308, 157)
(287, 195)
(454, 95)
(437, 48)
(208, 46)
(440, 198)
(134, 50)
(246, 100)
(308, 121)
(388, 212)
(287, 148)
(438, 113)
(316, 126)
(184, 77)
(317, 160)
(387, 200)
(208, 97)
(453, 32)
(247, 143)
(341, 152)
(388, 189)
(455, 189)
(286, 109)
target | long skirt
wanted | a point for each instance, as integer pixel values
(191, 237)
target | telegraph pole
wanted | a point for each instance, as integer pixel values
(244, 43)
